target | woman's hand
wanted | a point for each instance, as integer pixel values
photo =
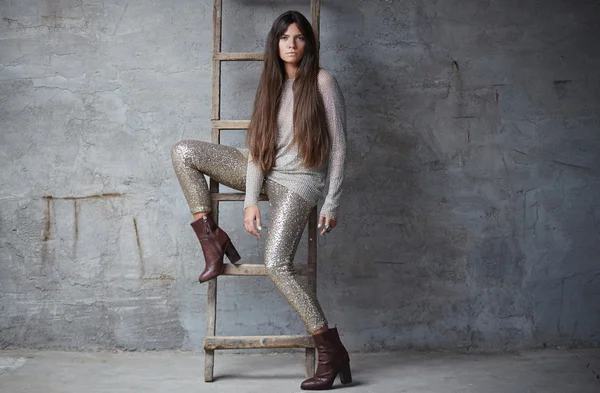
(252, 213)
(326, 222)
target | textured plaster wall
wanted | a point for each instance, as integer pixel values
(472, 204)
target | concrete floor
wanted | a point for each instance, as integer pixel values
(544, 371)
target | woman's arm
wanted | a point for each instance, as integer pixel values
(335, 112)
(254, 181)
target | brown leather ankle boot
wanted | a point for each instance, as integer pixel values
(215, 243)
(333, 359)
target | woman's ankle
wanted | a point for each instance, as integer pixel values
(321, 330)
(199, 215)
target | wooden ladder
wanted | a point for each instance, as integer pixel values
(211, 341)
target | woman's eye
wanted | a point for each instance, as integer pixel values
(283, 38)
(301, 38)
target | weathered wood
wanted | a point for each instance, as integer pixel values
(231, 124)
(215, 113)
(315, 11)
(217, 25)
(215, 103)
(212, 343)
(309, 361)
(215, 137)
(211, 292)
(234, 196)
(249, 269)
(231, 56)
(311, 273)
(211, 324)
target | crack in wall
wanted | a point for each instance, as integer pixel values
(139, 249)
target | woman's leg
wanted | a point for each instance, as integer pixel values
(225, 164)
(194, 159)
(289, 215)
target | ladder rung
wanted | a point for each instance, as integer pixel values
(230, 56)
(257, 342)
(234, 196)
(253, 269)
(231, 124)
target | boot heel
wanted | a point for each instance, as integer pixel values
(346, 375)
(232, 253)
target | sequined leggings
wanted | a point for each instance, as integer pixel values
(289, 215)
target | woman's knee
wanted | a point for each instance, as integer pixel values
(181, 151)
(178, 150)
(277, 266)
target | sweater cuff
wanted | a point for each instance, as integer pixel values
(250, 202)
(254, 182)
(329, 209)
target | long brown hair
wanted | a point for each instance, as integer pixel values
(310, 125)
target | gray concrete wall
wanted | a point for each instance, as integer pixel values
(472, 204)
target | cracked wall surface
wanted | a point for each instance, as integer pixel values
(471, 211)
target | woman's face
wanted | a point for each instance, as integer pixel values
(291, 45)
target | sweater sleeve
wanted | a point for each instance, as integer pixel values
(335, 112)
(254, 181)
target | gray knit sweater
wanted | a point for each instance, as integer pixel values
(288, 170)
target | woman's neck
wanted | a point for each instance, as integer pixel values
(290, 70)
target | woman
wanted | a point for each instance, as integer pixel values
(296, 139)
